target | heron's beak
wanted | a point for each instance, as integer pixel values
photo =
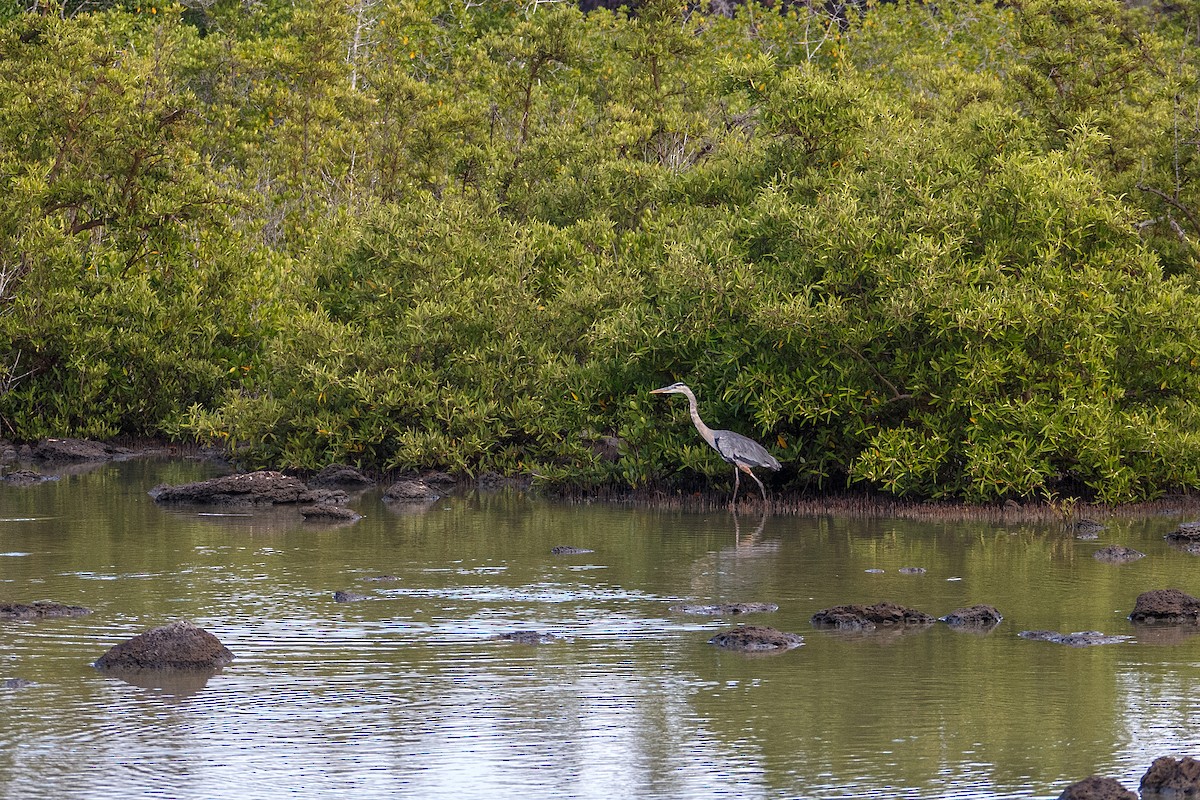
(663, 390)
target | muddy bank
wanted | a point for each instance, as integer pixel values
(865, 504)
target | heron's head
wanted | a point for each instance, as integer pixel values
(674, 388)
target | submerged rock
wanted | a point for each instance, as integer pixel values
(1165, 605)
(349, 597)
(756, 639)
(15, 683)
(1186, 538)
(1077, 639)
(1186, 532)
(40, 609)
(860, 617)
(1087, 529)
(340, 476)
(912, 570)
(564, 550)
(27, 477)
(438, 479)
(1170, 778)
(528, 637)
(1097, 788)
(726, 609)
(410, 491)
(979, 616)
(381, 579)
(251, 488)
(1117, 554)
(328, 512)
(177, 646)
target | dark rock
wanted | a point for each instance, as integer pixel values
(439, 479)
(1170, 778)
(15, 683)
(1097, 788)
(75, 450)
(410, 491)
(1165, 605)
(340, 476)
(726, 609)
(327, 512)
(756, 639)
(1077, 639)
(1087, 529)
(27, 477)
(912, 570)
(349, 597)
(1186, 532)
(980, 616)
(382, 579)
(528, 637)
(1186, 538)
(859, 617)
(177, 646)
(40, 609)
(251, 488)
(327, 497)
(1117, 554)
(564, 550)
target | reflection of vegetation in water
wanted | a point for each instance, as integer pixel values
(919, 252)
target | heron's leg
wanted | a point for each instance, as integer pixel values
(736, 481)
(761, 488)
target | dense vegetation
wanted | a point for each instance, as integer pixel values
(939, 250)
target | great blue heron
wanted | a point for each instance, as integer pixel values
(738, 450)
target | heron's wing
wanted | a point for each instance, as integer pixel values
(738, 449)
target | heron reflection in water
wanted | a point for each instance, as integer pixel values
(741, 451)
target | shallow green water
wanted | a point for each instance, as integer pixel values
(409, 694)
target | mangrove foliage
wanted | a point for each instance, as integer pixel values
(934, 249)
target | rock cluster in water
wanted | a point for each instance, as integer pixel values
(1170, 778)
(860, 617)
(1166, 778)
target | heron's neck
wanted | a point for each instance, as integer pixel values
(705, 431)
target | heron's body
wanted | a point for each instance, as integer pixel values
(741, 451)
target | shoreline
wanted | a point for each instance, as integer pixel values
(850, 503)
